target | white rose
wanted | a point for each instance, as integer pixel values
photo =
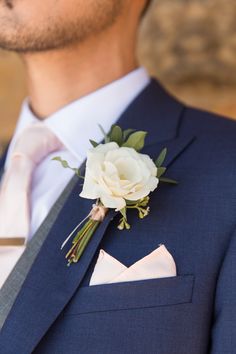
(115, 174)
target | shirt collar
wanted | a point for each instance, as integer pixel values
(78, 122)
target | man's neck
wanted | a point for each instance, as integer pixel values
(59, 77)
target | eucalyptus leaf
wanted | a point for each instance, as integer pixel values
(168, 180)
(136, 140)
(161, 171)
(116, 135)
(161, 158)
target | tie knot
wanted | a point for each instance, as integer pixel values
(35, 143)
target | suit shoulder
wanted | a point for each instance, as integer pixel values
(215, 139)
(210, 124)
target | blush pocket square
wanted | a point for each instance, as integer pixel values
(157, 264)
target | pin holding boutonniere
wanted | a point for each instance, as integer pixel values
(118, 176)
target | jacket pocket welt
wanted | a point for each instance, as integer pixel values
(132, 295)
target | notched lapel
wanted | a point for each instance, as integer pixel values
(174, 148)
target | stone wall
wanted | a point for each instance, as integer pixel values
(191, 40)
(190, 45)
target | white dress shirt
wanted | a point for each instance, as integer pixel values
(74, 125)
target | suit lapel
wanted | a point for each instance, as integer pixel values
(174, 148)
(50, 284)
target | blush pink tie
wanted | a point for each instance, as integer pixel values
(32, 146)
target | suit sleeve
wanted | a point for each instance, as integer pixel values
(223, 336)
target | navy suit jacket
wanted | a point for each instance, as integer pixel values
(56, 312)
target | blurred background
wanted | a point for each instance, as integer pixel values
(189, 45)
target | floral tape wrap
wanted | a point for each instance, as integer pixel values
(98, 213)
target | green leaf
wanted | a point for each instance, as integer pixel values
(161, 158)
(106, 137)
(136, 140)
(116, 135)
(127, 132)
(65, 164)
(93, 143)
(168, 180)
(161, 171)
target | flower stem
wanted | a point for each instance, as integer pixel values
(82, 232)
(86, 240)
(81, 240)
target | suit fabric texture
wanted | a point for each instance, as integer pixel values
(57, 312)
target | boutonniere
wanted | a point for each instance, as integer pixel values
(117, 176)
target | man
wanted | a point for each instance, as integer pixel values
(82, 71)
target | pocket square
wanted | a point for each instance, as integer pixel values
(157, 264)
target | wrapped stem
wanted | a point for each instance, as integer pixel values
(83, 236)
(81, 240)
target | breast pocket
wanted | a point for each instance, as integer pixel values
(132, 295)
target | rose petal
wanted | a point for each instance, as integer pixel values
(129, 169)
(145, 191)
(149, 163)
(113, 202)
(105, 148)
(90, 189)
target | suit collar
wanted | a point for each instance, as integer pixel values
(155, 111)
(50, 285)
